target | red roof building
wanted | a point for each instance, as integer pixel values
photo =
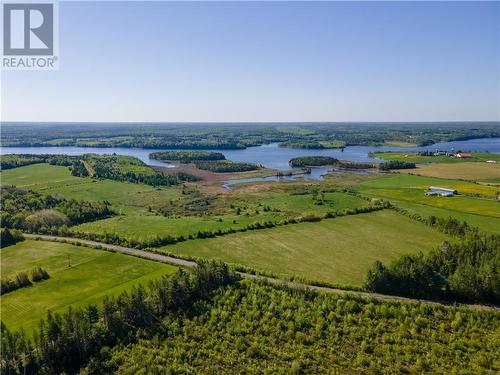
(463, 155)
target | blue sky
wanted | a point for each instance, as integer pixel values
(254, 61)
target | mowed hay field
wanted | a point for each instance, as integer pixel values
(338, 251)
(92, 275)
(465, 171)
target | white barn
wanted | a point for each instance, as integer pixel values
(442, 192)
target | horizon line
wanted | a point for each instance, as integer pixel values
(249, 122)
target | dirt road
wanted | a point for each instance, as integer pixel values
(187, 263)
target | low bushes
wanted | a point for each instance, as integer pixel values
(21, 280)
(39, 274)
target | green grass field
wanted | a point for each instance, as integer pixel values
(57, 180)
(412, 189)
(337, 250)
(488, 224)
(92, 275)
(305, 204)
(131, 201)
(143, 227)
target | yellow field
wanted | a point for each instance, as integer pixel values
(466, 171)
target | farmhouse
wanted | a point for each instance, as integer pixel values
(463, 155)
(442, 192)
(442, 153)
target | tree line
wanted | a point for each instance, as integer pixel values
(186, 156)
(238, 136)
(9, 237)
(225, 166)
(63, 343)
(11, 161)
(21, 280)
(463, 270)
(396, 164)
(310, 161)
(29, 210)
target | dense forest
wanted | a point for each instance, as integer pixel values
(14, 161)
(206, 321)
(64, 343)
(29, 210)
(225, 166)
(186, 156)
(396, 164)
(302, 144)
(465, 270)
(237, 136)
(310, 161)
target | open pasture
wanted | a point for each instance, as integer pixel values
(338, 250)
(92, 275)
(487, 224)
(464, 171)
(306, 204)
(148, 226)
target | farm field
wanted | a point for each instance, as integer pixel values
(147, 226)
(272, 206)
(487, 224)
(464, 171)
(337, 250)
(412, 188)
(414, 157)
(92, 275)
(307, 204)
(137, 205)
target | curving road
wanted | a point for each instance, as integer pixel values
(187, 263)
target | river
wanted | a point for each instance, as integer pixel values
(270, 155)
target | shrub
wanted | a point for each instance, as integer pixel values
(21, 280)
(46, 219)
(39, 274)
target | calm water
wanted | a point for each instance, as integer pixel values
(270, 155)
